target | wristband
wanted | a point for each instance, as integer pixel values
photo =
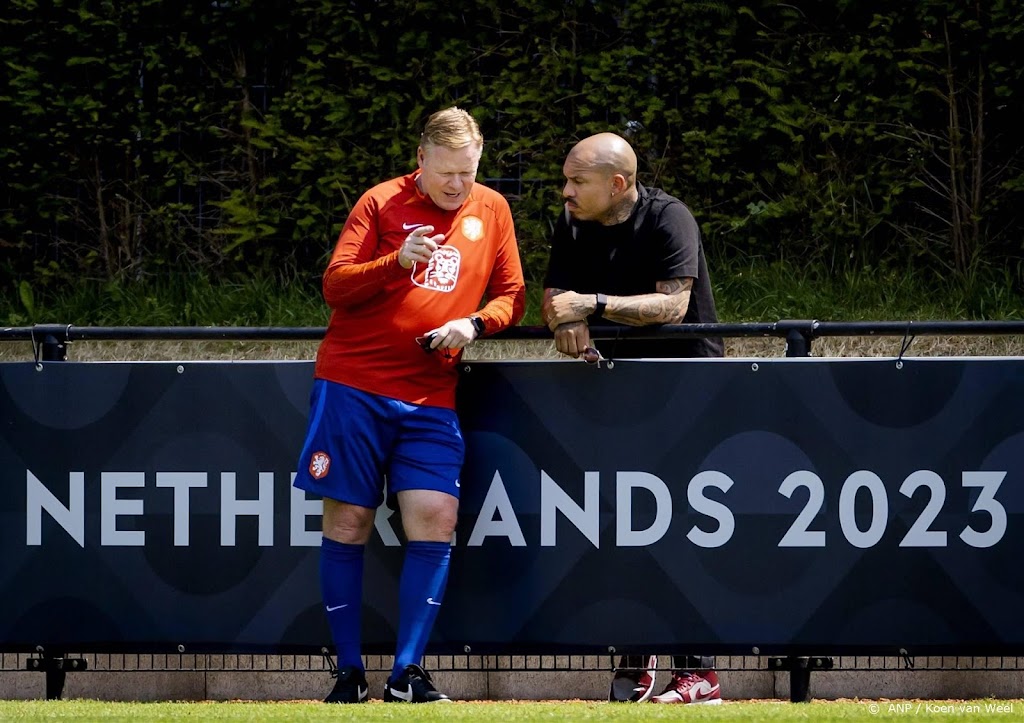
(602, 301)
(478, 324)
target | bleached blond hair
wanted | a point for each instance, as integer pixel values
(451, 128)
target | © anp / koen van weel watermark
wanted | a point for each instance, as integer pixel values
(940, 708)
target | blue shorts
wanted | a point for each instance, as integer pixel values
(356, 439)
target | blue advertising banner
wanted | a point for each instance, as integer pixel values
(787, 505)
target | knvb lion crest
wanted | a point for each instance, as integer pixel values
(319, 465)
(442, 272)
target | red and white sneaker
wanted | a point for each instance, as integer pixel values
(695, 688)
(630, 685)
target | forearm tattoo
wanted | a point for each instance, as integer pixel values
(667, 305)
(582, 305)
(545, 312)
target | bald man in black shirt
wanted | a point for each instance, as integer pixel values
(623, 253)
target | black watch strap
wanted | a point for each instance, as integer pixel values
(478, 324)
(602, 301)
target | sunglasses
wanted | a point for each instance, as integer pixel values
(426, 341)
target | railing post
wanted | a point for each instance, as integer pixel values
(800, 668)
(797, 344)
(799, 681)
(55, 665)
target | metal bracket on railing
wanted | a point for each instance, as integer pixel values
(908, 339)
(908, 659)
(50, 342)
(799, 333)
(56, 667)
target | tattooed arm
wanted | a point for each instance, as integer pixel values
(571, 337)
(667, 305)
(570, 307)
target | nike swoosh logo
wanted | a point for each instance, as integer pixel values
(430, 601)
(336, 607)
(457, 483)
(705, 690)
(407, 226)
(405, 695)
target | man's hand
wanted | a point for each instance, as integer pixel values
(455, 334)
(567, 307)
(572, 338)
(418, 247)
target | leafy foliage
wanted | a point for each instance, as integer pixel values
(144, 137)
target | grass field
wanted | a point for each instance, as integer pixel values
(515, 712)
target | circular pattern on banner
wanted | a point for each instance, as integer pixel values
(294, 385)
(758, 463)
(1002, 566)
(897, 398)
(644, 623)
(518, 473)
(71, 396)
(899, 620)
(1006, 456)
(67, 621)
(310, 627)
(205, 566)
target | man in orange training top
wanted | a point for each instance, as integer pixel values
(405, 283)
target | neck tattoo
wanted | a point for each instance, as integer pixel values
(621, 211)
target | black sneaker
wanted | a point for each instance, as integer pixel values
(351, 686)
(634, 683)
(413, 686)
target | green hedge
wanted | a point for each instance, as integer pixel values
(146, 137)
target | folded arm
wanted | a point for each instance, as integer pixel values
(667, 305)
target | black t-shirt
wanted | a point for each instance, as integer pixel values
(659, 241)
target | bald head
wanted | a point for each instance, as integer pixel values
(608, 153)
(600, 173)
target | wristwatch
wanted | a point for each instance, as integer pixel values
(478, 324)
(602, 301)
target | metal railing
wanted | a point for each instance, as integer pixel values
(50, 341)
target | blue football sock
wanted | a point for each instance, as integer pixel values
(420, 589)
(341, 583)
